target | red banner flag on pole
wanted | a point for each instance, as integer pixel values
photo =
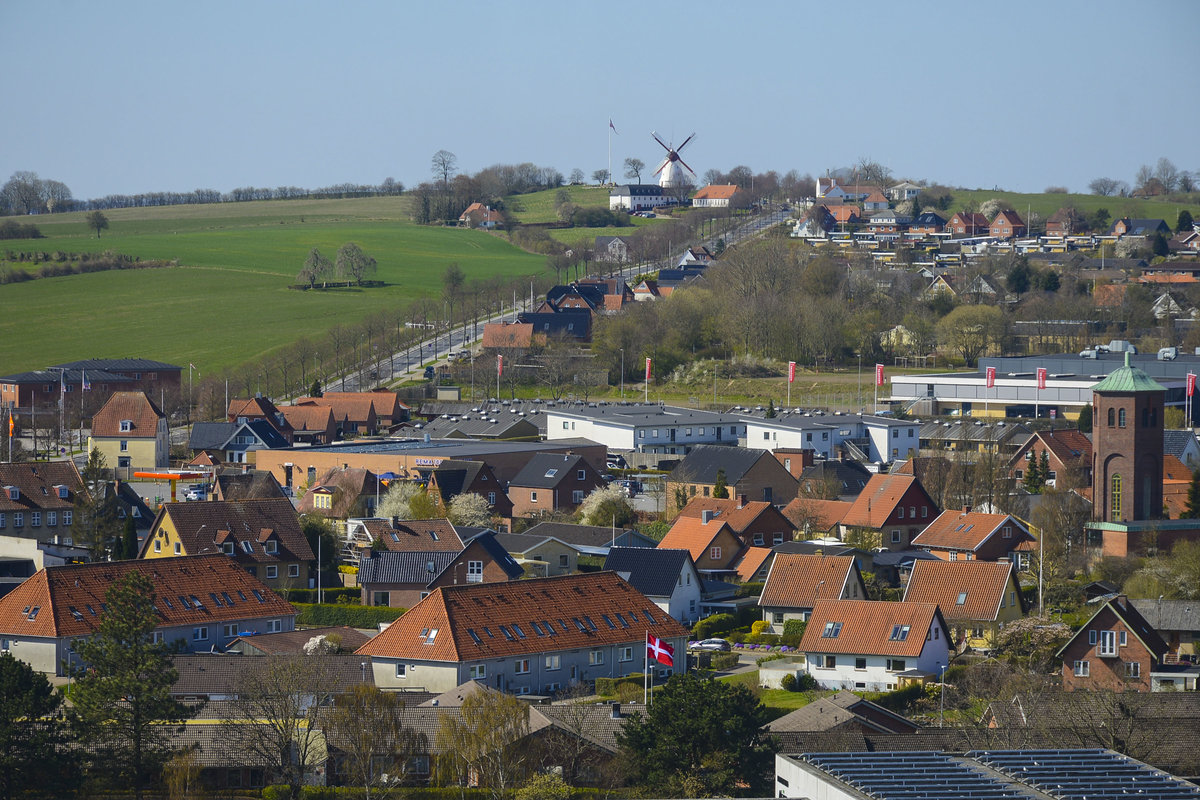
(647, 368)
(991, 377)
(1191, 384)
(879, 374)
(659, 650)
(791, 372)
(499, 366)
(1041, 377)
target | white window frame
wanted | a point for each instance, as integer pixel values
(1081, 669)
(274, 626)
(477, 672)
(272, 571)
(553, 662)
(626, 654)
(293, 570)
(595, 658)
(521, 666)
(200, 633)
(474, 572)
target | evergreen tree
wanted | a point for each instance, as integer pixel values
(1084, 423)
(1184, 225)
(34, 760)
(130, 539)
(1034, 480)
(720, 489)
(1193, 498)
(123, 699)
(1044, 467)
(770, 409)
(95, 524)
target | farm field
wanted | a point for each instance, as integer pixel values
(1047, 204)
(228, 300)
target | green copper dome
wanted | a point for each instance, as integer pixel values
(1128, 379)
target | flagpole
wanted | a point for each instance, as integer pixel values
(646, 670)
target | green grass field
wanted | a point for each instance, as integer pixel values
(1047, 204)
(539, 206)
(228, 300)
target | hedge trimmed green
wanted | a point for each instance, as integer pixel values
(608, 687)
(333, 614)
(711, 626)
(339, 594)
(724, 661)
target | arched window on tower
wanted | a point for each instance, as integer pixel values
(1112, 417)
(1121, 418)
(1115, 496)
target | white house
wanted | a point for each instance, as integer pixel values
(667, 577)
(881, 439)
(638, 197)
(645, 428)
(797, 581)
(715, 196)
(871, 645)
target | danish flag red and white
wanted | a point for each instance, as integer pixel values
(659, 650)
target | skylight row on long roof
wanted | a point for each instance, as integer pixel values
(512, 631)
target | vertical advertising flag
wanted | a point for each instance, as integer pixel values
(879, 374)
(1191, 384)
(991, 377)
(1041, 378)
(791, 372)
(499, 366)
(647, 369)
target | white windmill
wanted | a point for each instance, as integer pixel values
(669, 173)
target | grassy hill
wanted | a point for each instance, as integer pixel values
(1047, 204)
(228, 300)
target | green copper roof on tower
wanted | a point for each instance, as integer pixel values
(1128, 379)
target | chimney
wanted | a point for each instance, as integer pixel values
(706, 516)
(616, 711)
(741, 501)
(966, 508)
(395, 522)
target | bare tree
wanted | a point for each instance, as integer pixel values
(484, 741)
(316, 268)
(601, 176)
(633, 169)
(373, 744)
(353, 264)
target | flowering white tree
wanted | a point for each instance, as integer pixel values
(607, 505)
(470, 509)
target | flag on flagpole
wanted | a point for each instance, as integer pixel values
(614, 127)
(11, 426)
(1191, 384)
(647, 369)
(659, 650)
(791, 372)
(879, 374)
(1041, 377)
(499, 366)
(991, 377)
(83, 381)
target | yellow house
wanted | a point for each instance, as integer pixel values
(977, 598)
(263, 536)
(541, 556)
(131, 432)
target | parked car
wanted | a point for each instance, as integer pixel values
(196, 491)
(615, 461)
(716, 645)
(429, 373)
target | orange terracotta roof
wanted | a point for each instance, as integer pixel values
(1068, 445)
(876, 197)
(691, 534)
(1175, 494)
(308, 417)
(352, 406)
(727, 510)
(980, 585)
(716, 192)
(508, 334)
(252, 408)
(799, 581)
(203, 459)
(752, 561)
(532, 606)
(1174, 469)
(844, 213)
(866, 627)
(70, 598)
(134, 407)
(1110, 295)
(35, 485)
(1163, 277)
(877, 500)
(829, 513)
(415, 535)
(966, 530)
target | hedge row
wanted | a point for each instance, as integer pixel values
(608, 687)
(339, 594)
(724, 661)
(343, 614)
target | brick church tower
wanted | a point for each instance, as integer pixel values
(1127, 446)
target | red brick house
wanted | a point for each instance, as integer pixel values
(402, 579)
(552, 482)
(711, 541)
(1006, 225)
(1065, 448)
(1064, 222)
(453, 477)
(757, 523)
(1116, 649)
(972, 536)
(967, 223)
(894, 507)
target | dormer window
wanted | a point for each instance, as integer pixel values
(61, 491)
(271, 546)
(13, 492)
(126, 425)
(248, 547)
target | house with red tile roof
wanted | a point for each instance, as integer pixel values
(718, 196)
(311, 424)
(715, 548)
(130, 431)
(1006, 225)
(796, 582)
(815, 517)
(968, 223)
(977, 598)
(342, 493)
(524, 637)
(1065, 449)
(202, 602)
(891, 510)
(755, 564)
(876, 646)
(362, 413)
(756, 522)
(1116, 650)
(875, 201)
(972, 536)
(508, 335)
(262, 536)
(259, 407)
(37, 501)
(478, 215)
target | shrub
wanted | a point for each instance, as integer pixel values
(753, 589)
(724, 661)
(758, 627)
(788, 684)
(793, 632)
(899, 700)
(338, 594)
(343, 614)
(609, 687)
(714, 625)
(806, 683)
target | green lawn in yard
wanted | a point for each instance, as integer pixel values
(228, 300)
(778, 700)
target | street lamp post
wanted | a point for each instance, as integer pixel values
(942, 707)
(622, 373)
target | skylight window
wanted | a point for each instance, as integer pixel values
(34, 612)
(608, 621)
(588, 621)
(183, 602)
(258, 595)
(241, 595)
(537, 628)
(579, 625)
(549, 627)
(432, 636)
(832, 629)
(228, 599)
(517, 628)
(550, 473)
(248, 547)
(76, 614)
(197, 602)
(216, 600)
(395, 536)
(899, 633)
(92, 611)
(649, 617)
(962, 598)
(488, 631)
(507, 633)
(474, 636)
(621, 620)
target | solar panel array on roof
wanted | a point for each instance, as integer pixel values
(915, 776)
(1086, 774)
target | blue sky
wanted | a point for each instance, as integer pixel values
(126, 97)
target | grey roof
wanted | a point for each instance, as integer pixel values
(590, 535)
(547, 470)
(639, 414)
(120, 363)
(1170, 615)
(569, 322)
(593, 722)
(519, 542)
(1141, 227)
(211, 435)
(929, 218)
(221, 674)
(487, 540)
(895, 558)
(637, 190)
(850, 476)
(73, 377)
(815, 549)
(293, 641)
(654, 573)
(265, 431)
(703, 462)
(390, 566)
(248, 486)
(1175, 443)
(486, 426)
